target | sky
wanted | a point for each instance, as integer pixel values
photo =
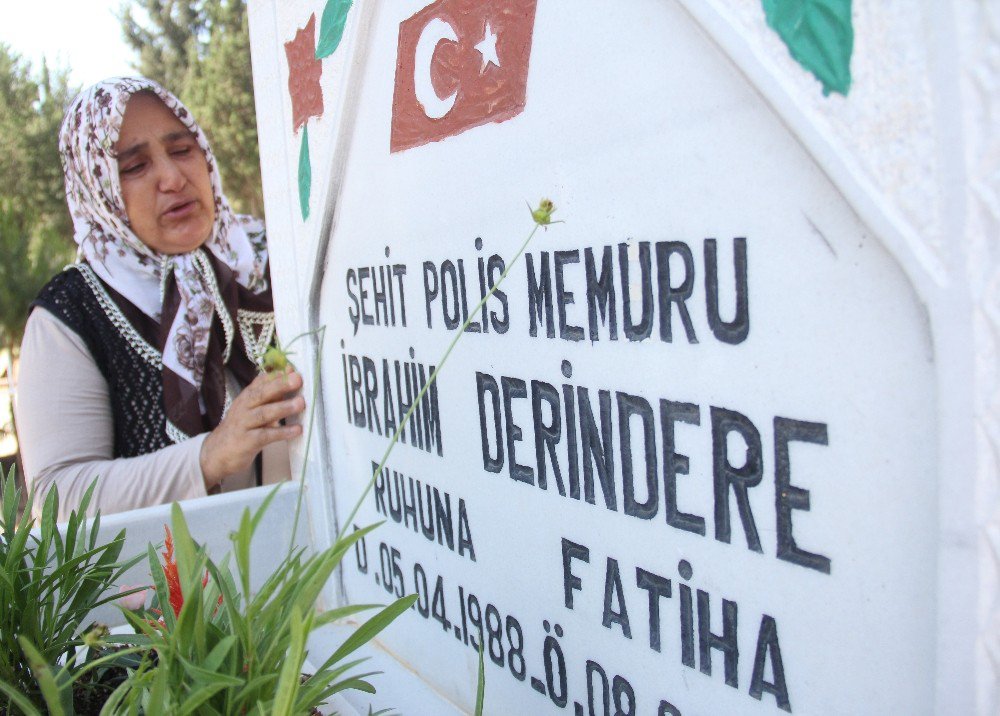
(81, 35)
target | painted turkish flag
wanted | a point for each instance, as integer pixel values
(460, 64)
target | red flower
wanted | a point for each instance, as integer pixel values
(304, 71)
(170, 572)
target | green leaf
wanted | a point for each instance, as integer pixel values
(819, 36)
(46, 679)
(367, 631)
(305, 174)
(18, 700)
(290, 680)
(331, 27)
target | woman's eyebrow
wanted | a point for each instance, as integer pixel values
(135, 148)
(174, 136)
(165, 139)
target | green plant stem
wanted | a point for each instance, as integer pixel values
(309, 431)
(430, 381)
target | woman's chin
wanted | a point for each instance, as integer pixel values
(181, 240)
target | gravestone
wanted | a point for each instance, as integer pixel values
(721, 442)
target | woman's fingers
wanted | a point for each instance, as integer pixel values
(267, 435)
(252, 423)
(269, 387)
(272, 412)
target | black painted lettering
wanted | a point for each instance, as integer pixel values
(364, 273)
(569, 403)
(539, 296)
(388, 400)
(449, 296)
(789, 497)
(669, 294)
(740, 479)
(399, 271)
(431, 412)
(371, 394)
(564, 298)
(726, 643)
(381, 296)
(768, 648)
(379, 489)
(442, 511)
(613, 592)
(675, 464)
(628, 406)
(736, 330)
(571, 551)
(597, 448)
(357, 394)
(430, 288)
(355, 313)
(473, 326)
(686, 615)
(426, 518)
(546, 435)
(465, 532)
(658, 587)
(514, 388)
(487, 384)
(409, 506)
(640, 330)
(500, 322)
(395, 506)
(601, 293)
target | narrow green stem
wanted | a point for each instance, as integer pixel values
(430, 381)
(309, 432)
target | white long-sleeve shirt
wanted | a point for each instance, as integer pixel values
(66, 433)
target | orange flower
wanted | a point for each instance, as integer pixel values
(170, 572)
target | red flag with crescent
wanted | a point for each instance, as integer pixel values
(460, 64)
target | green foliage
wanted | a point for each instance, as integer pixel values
(331, 27)
(35, 228)
(819, 35)
(49, 582)
(200, 50)
(305, 174)
(227, 650)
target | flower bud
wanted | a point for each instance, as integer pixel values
(543, 214)
(95, 637)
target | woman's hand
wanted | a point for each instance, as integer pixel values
(251, 423)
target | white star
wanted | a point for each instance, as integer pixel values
(488, 48)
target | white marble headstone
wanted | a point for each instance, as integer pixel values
(711, 446)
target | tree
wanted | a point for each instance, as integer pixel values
(35, 227)
(200, 50)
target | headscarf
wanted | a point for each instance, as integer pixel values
(182, 293)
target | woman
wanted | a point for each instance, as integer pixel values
(134, 358)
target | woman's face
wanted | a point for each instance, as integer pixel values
(164, 178)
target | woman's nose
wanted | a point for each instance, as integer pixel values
(170, 177)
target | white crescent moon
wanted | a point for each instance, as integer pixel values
(433, 32)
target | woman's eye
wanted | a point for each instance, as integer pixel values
(132, 168)
(181, 151)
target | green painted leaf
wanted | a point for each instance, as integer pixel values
(819, 36)
(331, 27)
(305, 174)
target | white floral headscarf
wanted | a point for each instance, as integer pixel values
(179, 292)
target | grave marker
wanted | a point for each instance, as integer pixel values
(708, 447)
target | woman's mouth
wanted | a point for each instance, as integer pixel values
(180, 210)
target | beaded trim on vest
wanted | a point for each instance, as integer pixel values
(115, 315)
